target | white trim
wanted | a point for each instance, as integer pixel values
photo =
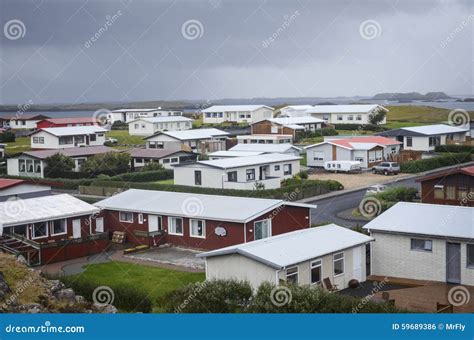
(52, 227)
(311, 266)
(169, 226)
(297, 273)
(126, 212)
(140, 218)
(270, 231)
(203, 228)
(33, 237)
(343, 263)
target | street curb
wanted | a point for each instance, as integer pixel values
(420, 174)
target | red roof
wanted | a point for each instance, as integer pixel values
(71, 120)
(7, 183)
(369, 139)
(469, 170)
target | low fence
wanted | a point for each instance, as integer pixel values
(405, 156)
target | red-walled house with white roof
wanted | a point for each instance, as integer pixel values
(65, 122)
(199, 221)
(51, 228)
(369, 150)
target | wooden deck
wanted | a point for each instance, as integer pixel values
(422, 296)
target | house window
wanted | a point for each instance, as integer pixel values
(339, 117)
(359, 159)
(433, 141)
(22, 165)
(38, 140)
(420, 244)
(197, 177)
(92, 138)
(79, 139)
(287, 169)
(316, 271)
(292, 275)
(359, 117)
(262, 229)
(140, 218)
(250, 174)
(439, 192)
(20, 230)
(450, 192)
(40, 229)
(65, 140)
(166, 160)
(175, 226)
(197, 228)
(126, 217)
(37, 165)
(277, 168)
(350, 117)
(338, 260)
(174, 160)
(59, 227)
(409, 141)
(462, 193)
(29, 166)
(469, 255)
(232, 176)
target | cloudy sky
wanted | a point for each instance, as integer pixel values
(54, 51)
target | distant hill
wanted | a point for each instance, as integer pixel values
(429, 96)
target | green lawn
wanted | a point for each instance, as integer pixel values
(165, 181)
(123, 137)
(156, 282)
(21, 144)
(411, 114)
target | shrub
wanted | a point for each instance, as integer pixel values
(107, 163)
(119, 125)
(58, 165)
(152, 166)
(435, 162)
(317, 133)
(127, 298)
(365, 127)
(391, 196)
(217, 296)
(7, 137)
(144, 176)
(454, 148)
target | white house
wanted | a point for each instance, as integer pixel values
(286, 126)
(199, 140)
(238, 172)
(345, 114)
(423, 241)
(427, 137)
(236, 113)
(294, 110)
(167, 158)
(369, 151)
(268, 148)
(150, 126)
(230, 154)
(21, 121)
(128, 115)
(303, 257)
(18, 188)
(33, 163)
(265, 139)
(67, 137)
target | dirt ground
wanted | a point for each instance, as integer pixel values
(357, 180)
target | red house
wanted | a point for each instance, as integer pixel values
(199, 221)
(65, 122)
(452, 187)
(51, 228)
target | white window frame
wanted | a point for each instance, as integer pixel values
(425, 250)
(343, 264)
(191, 228)
(125, 212)
(297, 273)
(315, 264)
(33, 236)
(270, 231)
(140, 219)
(170, 218)
(468, 252)
(52, 227)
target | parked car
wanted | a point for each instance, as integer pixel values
(111, 140)
(386, 168)
(342, 166)
(375, 189)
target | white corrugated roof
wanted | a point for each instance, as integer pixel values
(234, 108)
(232, 153)
(194, 134)
(43, 208)
(291, 248)
(164, 119)
(435, 129)
(236, 162)
(272, 148)
(212, 207)
(426, 219)
(73, 130)
(295, 120)
(297, 107)
(137, 110)
(365, 108)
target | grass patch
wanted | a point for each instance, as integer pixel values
(417, 114)
(154, 282)
(123, 137)
(21, 144)
(166, 181)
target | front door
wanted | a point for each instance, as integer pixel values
(76, 228)
(357, 263)
(99, 225)
(453, 263)
(153, 223)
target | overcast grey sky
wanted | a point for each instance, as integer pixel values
(231, 49)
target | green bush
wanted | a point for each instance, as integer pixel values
(218, 296)
(7, 137)
(126, 298)
(435, 162)
(391, 196)
(317, 133)
(107, 163)
(364, 127)
(454, 148)
(119, 125)
(144, 176)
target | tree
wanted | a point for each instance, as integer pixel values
(377, 117)
(111, 163)
(153, 166)
(57, 165)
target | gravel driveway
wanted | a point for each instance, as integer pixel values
(357, 180)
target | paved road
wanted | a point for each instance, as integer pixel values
(329, 207)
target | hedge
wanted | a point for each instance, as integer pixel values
(366, 127)
(435, 162)
(144, 176)
(292, 190)
(454, 148)
(7, 137)
(57, 183)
